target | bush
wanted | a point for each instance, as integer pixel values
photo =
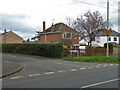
(48, 50)
(110, 45)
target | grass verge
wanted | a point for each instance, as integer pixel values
(94, 59)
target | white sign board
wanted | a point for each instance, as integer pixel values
(74, 51)
(81, 47)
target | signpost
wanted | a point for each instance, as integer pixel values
(107, 32)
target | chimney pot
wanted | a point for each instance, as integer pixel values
(52, 27)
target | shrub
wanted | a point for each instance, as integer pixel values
(48, 50)
(110, 45)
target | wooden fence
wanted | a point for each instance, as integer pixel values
(91, 52)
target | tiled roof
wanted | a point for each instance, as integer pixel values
(60, 27)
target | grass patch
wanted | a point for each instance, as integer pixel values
(94, 59)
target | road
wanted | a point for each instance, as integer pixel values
(41, 72)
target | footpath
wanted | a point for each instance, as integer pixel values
(10, 67)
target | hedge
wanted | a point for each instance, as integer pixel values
(48, 50)
(110, 45)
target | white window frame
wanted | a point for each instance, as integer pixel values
(114, 38)
(74, 36)
(66, 35)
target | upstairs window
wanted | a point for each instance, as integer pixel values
(67, 35)
(75, 36)
(115, 38)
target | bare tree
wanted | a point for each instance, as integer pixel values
(90, 25)
(71, 22)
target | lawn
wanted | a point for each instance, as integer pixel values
(94, 59)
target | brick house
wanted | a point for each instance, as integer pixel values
(10, 37)
(59, 33)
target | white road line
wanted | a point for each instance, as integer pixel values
(105, 65)
(111, 64)
(100, 83)
(66, 64)
(49, 72)
(60, 71)
(92, 65)
(33, 75)
(82, 68)
(16, 77)
(89, 67)
(73, 69)
(97, 66)
(116, 64)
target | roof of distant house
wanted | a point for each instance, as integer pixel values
(2, 34)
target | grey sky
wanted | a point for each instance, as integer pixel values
(26, 16)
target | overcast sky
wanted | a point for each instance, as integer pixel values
(25, 17)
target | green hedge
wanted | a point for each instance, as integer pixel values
(48, 50)
(110, 45)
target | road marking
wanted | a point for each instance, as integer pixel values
(66, 64)
(33, 75)
(73, 69)
(90, 67)
(82, 68)
(100, 83)
(16, 77)
(105, 65)
(49, 72)
(116, 64)
(60, 71)
(97, 66)
(111, 64)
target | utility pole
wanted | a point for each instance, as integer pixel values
(107, 54)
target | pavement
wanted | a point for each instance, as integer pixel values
(9, 68)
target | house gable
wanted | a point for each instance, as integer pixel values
(11, 37)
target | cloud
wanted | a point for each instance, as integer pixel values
(17, 23)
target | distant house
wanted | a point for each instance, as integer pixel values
(59, 33)
(10, 37)
(102, 39)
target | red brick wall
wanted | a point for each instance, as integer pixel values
(51, 37)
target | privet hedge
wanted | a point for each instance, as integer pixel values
(48, 50)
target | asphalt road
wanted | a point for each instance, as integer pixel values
(40, 72)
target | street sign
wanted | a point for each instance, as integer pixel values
(107, 31)
(74, 51)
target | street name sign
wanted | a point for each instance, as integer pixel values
(107, 31)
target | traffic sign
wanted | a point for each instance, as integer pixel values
(107, 31)
(107, 35)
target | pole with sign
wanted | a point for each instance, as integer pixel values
(106, 32)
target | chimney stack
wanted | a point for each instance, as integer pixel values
(43, 26)
(52, 28)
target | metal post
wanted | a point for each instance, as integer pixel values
(107, 54)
